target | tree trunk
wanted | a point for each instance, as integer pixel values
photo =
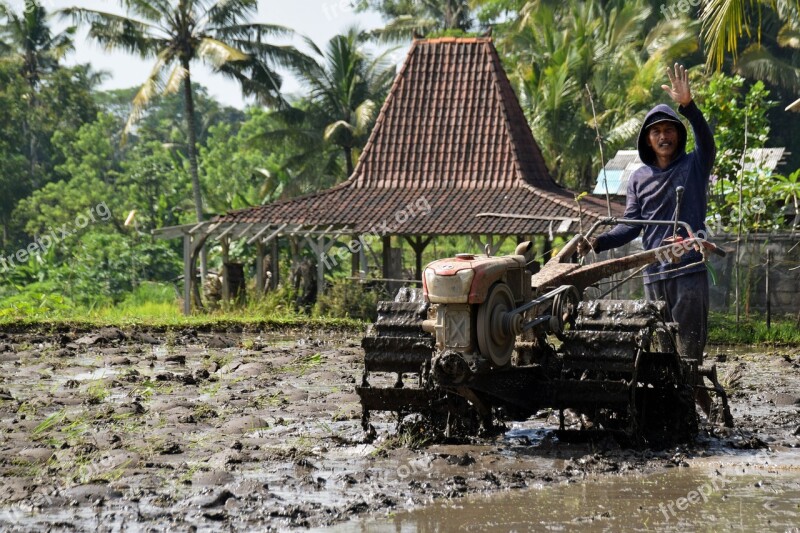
(29, 130)
(348, 159)
(193, 169)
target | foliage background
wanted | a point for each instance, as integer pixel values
(63, 150)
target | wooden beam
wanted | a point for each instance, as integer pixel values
(213, 228)
(307, 233)
(261, 232)
(526, 217)
(274, 234)
(197, 227)
(418, 245)
(225, 232)
(172, 232)
(245, 230)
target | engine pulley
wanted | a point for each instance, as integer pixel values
(495, 331)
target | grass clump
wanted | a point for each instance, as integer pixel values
(723, 329)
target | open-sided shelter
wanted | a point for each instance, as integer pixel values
(451, 153)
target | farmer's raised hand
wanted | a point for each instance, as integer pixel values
(679, 92)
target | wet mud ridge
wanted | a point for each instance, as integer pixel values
(131, 430)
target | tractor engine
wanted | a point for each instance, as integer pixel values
(471, 302)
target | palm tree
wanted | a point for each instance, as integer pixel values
(769, 29)
(347, 89)
(407, 18)
(177, 34)
(27, 40)
(554, 50)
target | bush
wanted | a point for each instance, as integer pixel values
(37, 300)
(104, 268)
(723, 329)
(345, 298)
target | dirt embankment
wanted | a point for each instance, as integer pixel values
(109, 430)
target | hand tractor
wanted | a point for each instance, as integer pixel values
(487, 340)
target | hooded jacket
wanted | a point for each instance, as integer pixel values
(651, 192)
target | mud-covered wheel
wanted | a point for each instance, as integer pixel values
(665, 414)
(451, 416)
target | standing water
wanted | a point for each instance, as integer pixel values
(701, 498)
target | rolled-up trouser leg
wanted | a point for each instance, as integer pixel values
(687, 303)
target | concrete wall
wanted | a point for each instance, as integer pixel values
(784, 274)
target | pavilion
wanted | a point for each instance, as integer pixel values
(451, 153)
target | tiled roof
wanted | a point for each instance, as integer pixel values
(452, 211)
(451, 135)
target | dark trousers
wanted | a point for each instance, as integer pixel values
(687, 304)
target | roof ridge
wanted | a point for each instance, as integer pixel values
(502, 103)
(457, 40)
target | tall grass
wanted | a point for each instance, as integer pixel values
(723, 329)
(157, 305)
(345, 308)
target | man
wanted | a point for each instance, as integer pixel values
(652, 195)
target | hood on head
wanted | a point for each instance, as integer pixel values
(659, 113)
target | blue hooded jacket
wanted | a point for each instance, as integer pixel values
(651, 192)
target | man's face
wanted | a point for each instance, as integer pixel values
(663, 139)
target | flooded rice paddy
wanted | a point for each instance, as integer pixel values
(244, 431)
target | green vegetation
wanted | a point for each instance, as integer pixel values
(109, 167)
(723, 329)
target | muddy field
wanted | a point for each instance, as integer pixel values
(129, 430)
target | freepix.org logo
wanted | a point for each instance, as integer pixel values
(420, 207)
(679, 8)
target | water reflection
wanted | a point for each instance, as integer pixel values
(685, 499)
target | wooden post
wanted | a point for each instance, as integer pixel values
(275, 269)
(490, 243)
(320, 247)
(259, 269)
(355, 259)
(418, 245)
(320, 266)
(769, 310)
(226, 282)
(187, 274)
(387, 255)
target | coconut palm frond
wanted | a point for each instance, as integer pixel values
(117, 32)
(757, 62)
(218, 53)
(723, 22)
(789, 37)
